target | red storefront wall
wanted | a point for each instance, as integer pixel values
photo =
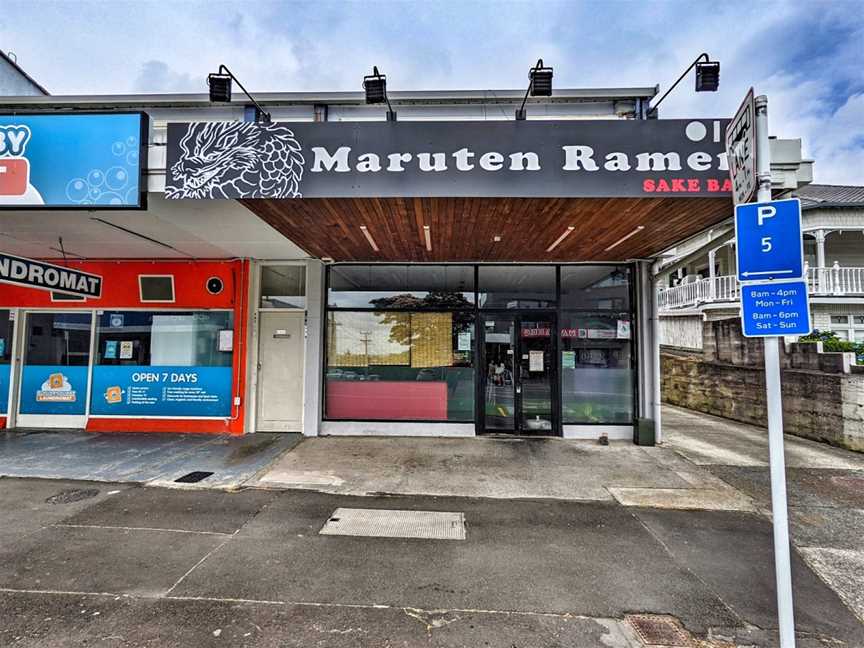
(120, 290)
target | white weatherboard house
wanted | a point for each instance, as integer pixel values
(696, 280)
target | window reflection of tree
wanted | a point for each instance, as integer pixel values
(431, 336)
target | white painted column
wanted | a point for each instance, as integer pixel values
(837, 287)
(17, 342)
(312, 373)
(712, 289)
(648, 346)
(251, 396)
(820, 260)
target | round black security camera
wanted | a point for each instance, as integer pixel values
(215, 285)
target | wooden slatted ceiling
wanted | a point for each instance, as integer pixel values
(463, 229)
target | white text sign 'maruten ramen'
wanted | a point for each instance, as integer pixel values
(578, 158)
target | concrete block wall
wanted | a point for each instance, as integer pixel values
(722, 342)
(823, 393)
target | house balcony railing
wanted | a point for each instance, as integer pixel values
(834, 281)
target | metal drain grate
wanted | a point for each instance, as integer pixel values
(387, 523)
(659, 630)
(193, 477)
(72, 495)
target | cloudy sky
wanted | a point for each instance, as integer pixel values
(806, 56)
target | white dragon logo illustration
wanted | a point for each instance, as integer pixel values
(237, 160)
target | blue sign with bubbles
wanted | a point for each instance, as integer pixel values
(86, 160)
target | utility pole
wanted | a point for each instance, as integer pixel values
(365, 337)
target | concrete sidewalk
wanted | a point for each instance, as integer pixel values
(152, 458)
(521, 468)
(131, 566)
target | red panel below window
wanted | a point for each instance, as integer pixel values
(387, 400)
(195, 426)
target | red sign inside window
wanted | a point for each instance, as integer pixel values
(536, 332)
(14, 174)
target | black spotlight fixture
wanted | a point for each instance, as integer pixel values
(220, 87)
(375, 86)
(539, 85)
(707, 78)
(220, 91)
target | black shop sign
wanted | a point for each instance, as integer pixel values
(578, 158)
(47, 276)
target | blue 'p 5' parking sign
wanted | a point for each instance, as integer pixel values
(769, 245)
(770, 252)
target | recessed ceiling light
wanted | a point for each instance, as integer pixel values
(369, 237)
(624, 238)
(427, 235)
(566, 233)
(496, 238)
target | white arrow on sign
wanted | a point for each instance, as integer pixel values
(766, 272)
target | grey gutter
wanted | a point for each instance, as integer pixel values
(424, 97)
(832, 205)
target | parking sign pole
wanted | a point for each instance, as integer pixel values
(779, 512)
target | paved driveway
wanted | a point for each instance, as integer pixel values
(825, 489)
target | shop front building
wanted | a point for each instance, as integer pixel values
(518, 349)
(156, 352)
(455, 272)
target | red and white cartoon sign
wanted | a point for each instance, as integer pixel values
(14, 176)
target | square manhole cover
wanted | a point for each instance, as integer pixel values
(659, 630)
(388, 523)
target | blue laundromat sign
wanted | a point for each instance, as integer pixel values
(80, 160)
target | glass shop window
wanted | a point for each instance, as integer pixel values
(151, 363)
(147, 338)
(283, 286)
(5, 358)
(6, 325)
(392, 365)
(595, 287)
(516, 287)
(597, 374)
(401, 286)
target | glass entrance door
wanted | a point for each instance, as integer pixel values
(55, 370)
(499, 384)
(536, 373)
(519, 382)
